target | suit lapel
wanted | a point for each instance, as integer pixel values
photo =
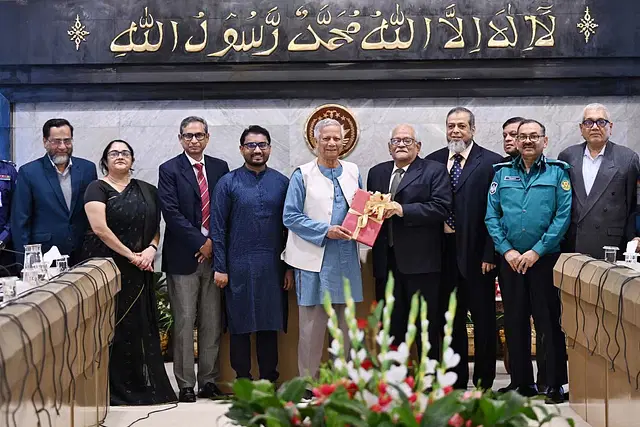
(52, 176)
(414, 171)
(189, 174)
(385, 178)
(578, 181)
(472, 162)
(76, 179)
(208, 166)
(605, 174)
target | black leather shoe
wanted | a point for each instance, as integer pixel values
(187, 395)
(555, 395)
(542, 389)
(528, 390)
(209, 391)
(507, 388)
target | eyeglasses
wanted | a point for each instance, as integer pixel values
(533, 137)
(189, 136)
(65, 141)
(253, 145)
(406, 141)
(115, 154)
(588, 123)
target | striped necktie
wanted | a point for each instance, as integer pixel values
(454, 174)
(204, 196)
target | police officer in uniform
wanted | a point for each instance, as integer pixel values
(8, 175)
(528, 214)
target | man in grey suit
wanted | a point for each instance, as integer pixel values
(604, 178)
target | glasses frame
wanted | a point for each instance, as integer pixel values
(396, 141)
(66, 141)
(185, 138)
(114, 154)
(265, 146)
(530, 138)
(595, 122)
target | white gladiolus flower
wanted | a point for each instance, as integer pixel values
(447, 341)
(360, 355)
(380, 338)
(395, 392)
(330, 324)
(427, 381)
(395, 375)
(338, 364)
(369, 398)
(448, 316)
(335, 348)
(446, 379)
(358, 374)
(450, 359)
(400, 356)
(431, 366)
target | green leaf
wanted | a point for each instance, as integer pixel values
(350, 420)
(242, 389)
(279, 414)
(344, 406)
(264, 386)
(529, 413)
(440, 411)
(571, 422)
(405, 414)
(292, 391)
(492, 410)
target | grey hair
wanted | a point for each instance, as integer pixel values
(415, 132)
(472, 117)
(597, 106)
(193, 119)
(326, 123)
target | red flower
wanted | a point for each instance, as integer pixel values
(419, 418)
(469, 423)
(384, 400)
(362, 323)
(448, 389)
(382, 388)
(413, 398)
(366, 364)
(411, 382)
(295, 420)
(456, 420)
(376, 408)
(325, 390)
(393, 347)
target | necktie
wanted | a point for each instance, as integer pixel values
(454, 174)
(204, 195)
(397, 177)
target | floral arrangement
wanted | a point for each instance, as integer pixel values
(378, 385)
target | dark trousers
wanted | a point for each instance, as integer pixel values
(406, 285)
(541, 380)
(266, 349)
(529, 294)
(475, 294)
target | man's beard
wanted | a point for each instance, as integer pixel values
(60, 159)
(457, 146)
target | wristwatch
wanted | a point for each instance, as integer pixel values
(153, 246)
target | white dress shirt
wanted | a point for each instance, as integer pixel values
(465, 155)
(393, 173)
(193, 162)
(590, 167)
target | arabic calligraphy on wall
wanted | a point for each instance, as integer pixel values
(328, 28)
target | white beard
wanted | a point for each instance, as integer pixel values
(457, 146)
(62, 159)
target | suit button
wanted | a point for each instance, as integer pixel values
(524, 211)
(524, 230)
(597, 226)
(605, 209)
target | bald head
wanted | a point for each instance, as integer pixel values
(404, 145)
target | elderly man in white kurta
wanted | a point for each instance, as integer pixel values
(318, 247)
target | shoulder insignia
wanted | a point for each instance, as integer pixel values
(493, 188)
(566, 186)
(499, 166)
(9, 162)
(560, 163)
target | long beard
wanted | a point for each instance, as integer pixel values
(457, 146)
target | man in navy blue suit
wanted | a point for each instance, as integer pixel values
(185, 188)
(48, 203)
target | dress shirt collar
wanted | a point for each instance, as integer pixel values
(194, 162)
(464, 154)
(67, 169)
(587, 153)
(404, 168)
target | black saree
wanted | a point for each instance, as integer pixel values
(136, 370)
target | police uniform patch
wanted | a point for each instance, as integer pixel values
(565, 185)
(493, 188)
(5, 177)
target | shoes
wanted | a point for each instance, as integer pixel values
(542, 389)
(528, 390)
(209, 391)
(507, 388)
(187, 395)
(555, 395)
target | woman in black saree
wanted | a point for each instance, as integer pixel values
(125, 217)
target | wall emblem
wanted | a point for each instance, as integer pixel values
(351, 130)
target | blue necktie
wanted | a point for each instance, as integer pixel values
(454, 174)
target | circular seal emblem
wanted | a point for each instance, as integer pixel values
(565, 185)
(350, 128)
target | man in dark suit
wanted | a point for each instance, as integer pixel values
(48, 203)
(185, 188)
(408, 245)
(469, 254)
(604, 177)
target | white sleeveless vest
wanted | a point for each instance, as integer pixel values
(318, 205)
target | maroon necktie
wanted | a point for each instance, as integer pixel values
(204, 196)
